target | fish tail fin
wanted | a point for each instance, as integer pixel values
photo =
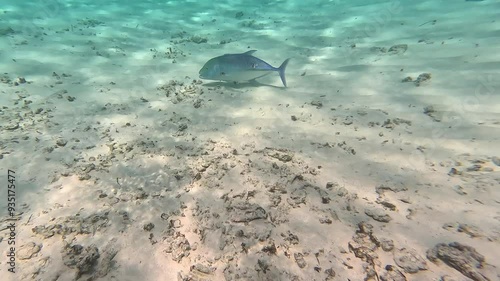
(281, 71)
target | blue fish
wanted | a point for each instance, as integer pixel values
(240, 68)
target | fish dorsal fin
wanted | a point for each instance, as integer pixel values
(245, 53)
(249, 52)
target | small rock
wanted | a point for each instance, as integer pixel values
(88, 168)
(299, 259)
(202, 268)
(407, 79)
(270, 249)
(348, 120)
(454, 171)
(365, 228)
(239, 15)
(474, 168)
(381, 189)
(378, 214)
(459, 189)
(378, 49)
(398, 49)
(61, 142)
(409, 260)
(370, 272)
(330, 185)
(447, 278)
(11, 126)
(325, 221)
(81, 258)
(364, 244)
(28, 250)
(317, 103)
(432, 113)
(246, 212)
(198, 39)
(392, 274)
(342, 191)
(140, 194)
(325, 199)
(461, 257)
(108, 254)
(175, 223)
(297, 197)
(149, 226)
(178, 246)
(290, 238)
(6, 31)
(495, 160)
(282, 157)
(429, 109)
(84, 177)
(387, 204)
(472, 231)
(387, 244)
(182, 127)
(330, 273)
(263, 265)
(198, 103)
(422, 78)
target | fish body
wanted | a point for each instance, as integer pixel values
(240, 68)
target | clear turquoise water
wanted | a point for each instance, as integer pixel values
(103, 111)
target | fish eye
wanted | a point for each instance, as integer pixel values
(222, 73)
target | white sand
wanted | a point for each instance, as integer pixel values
(108, 53)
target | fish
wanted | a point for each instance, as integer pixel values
(242, 67)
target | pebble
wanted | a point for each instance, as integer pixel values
(378, 214)
(80, 257)
(495, 160)
(61, 142)
(11, 126)
(409, 260)
(392, 274)
(246, 212)
(28, 250)
(149, 226)
(387, 245)
(299, 259)
(398, 49)
(461, 257)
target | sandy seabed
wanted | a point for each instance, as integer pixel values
(380, 161)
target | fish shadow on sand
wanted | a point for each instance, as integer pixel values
(241, 85)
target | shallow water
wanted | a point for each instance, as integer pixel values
(124, 165)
